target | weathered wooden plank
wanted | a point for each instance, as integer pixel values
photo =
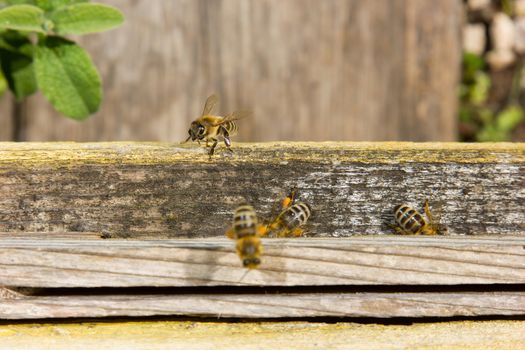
(377, 305)
(51, 235)
(172, 335)
(210, 262)
(353, 70)
(172, 190)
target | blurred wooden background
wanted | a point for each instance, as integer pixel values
(309, 69)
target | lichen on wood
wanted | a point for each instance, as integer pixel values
(172, 191)
(157, 335)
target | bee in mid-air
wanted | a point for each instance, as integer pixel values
(410, 222)
(292, 217)
(214, 128)
(247, 231)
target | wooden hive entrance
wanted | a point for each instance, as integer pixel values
(136, 229)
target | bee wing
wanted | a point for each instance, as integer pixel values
(239, 115)
(211, 101)
(233, 116)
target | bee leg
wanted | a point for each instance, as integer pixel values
(428, 213)
(273, 227)
(428, 231)
(297, 232)
(230, 233)
(227, 141)
(262, 230)
(441, 229)
(398, 230)
(212, 149)
(284, 233)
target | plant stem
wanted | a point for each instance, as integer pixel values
(19, 122)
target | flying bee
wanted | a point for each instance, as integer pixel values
(214, 128)
(410, 222)
(247, 231)
(293, 216)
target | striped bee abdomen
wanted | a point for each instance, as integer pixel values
(409, 219)
(296, 215)
(245, 221)
(231, 128)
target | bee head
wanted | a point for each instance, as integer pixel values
(197, 131)
(252, 263)
(441, 229)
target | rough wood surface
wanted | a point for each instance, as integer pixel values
(169, 335)
(309, 69)
(308, 261)
(172, 190)
(246, 306)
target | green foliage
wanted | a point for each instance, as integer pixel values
(67, 77)
(22, 17)
(34, 55)
(17, 64)
(498, 127)
(481, 120)
(85, 18)
(3, 83)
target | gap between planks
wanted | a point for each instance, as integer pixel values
(377, 260)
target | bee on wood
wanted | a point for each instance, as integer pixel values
(410, 222)
(214, 128)
(247, 231)
(292, 217)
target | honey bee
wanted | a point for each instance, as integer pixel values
(214, 128)
(293, 216)
(410, 222)
(247, 231)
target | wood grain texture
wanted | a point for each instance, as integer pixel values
(172, 191)
(246, 306)
(172, 335)
(294, 262)
(309, 69)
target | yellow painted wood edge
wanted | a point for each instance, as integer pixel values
(70, 153)
(500, 334)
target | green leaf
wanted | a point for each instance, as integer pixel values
(51, 5)
(479, 91)
(490, 134)
(22, 17)
(20, 2)
(18, 70)
(3, 83)
(67, 77)
(16, 58)
(16, 42)
(509, 118)
(471, 64)
(86, 18)
(486, 116)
